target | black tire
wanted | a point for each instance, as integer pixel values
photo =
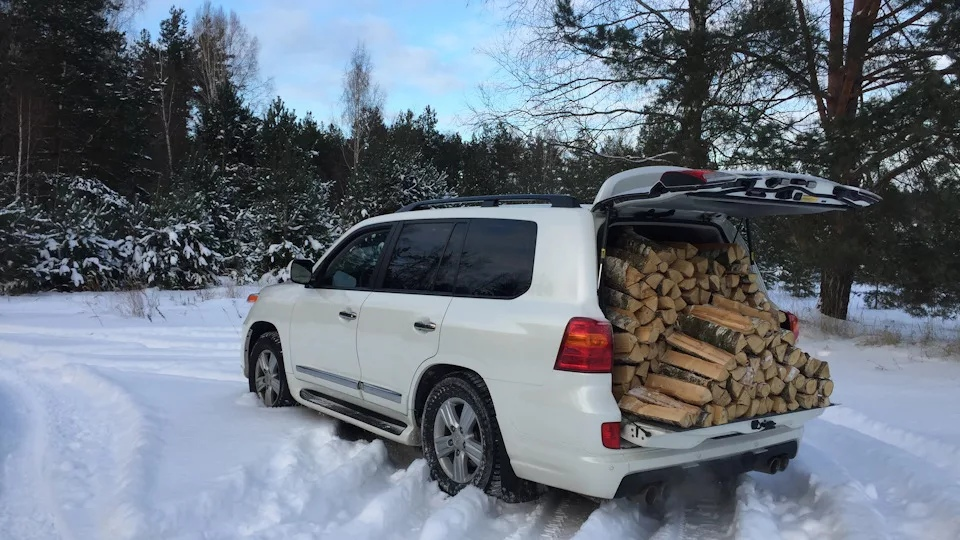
(278, 393)
(493, 474)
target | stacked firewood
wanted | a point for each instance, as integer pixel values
(696, 341)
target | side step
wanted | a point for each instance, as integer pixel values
(356, 412)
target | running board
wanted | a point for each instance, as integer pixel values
(360, 414)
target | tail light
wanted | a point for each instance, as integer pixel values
(610, 435)
(253, 298)
(794, 323)
(587, 347)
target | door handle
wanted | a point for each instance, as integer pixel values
(348, 315)
(425, 326)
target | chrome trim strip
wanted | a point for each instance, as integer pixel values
(380, 392)
(345, 381)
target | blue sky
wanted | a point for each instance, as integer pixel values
(425, 52)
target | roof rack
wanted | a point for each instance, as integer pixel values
(556, 201)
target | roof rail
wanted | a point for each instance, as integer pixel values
(556, 201)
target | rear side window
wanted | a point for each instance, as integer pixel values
(497, 258)
(450, 264)
(416, 256)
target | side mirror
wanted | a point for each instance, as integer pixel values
(301, 270)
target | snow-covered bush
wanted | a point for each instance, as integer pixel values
(173, 256)
(78, 241)
(19, 245)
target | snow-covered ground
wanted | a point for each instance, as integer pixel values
(118, 427)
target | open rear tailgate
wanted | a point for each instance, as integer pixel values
(733, 193)
(652, 435)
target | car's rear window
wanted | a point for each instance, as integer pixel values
(497, 258)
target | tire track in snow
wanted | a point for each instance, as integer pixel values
(81, 456)
(938, 453)
(700, 507)
(912, 495)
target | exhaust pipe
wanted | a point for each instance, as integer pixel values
(653, 494)
(773, 465)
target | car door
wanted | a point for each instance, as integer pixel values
(401, 321)
(323, 324)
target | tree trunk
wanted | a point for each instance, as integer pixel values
(835, 285)
(19, 145)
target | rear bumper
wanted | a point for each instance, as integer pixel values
(616, 473)
(724, 467)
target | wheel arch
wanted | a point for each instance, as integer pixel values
(256, 330)
(429, 378)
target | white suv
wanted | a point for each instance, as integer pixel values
(475, 331)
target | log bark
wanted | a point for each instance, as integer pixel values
(789, 393)
(619, 300)
(714, 334)
(684, 391)
(823, 401)
(695, 365)
(824, 371)
(674, 372)
(619, 275)
(724, 317)
(623, 320)
(638, 251)
(678, 417)
(689, 345)
(811, 368)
